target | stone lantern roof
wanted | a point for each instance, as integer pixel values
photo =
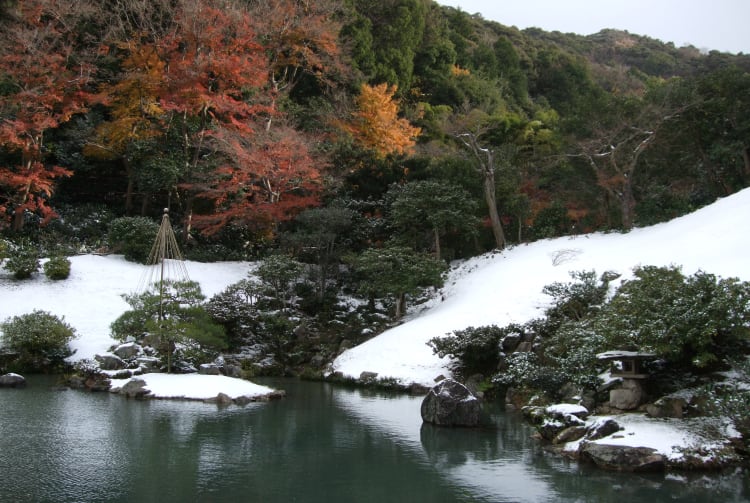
(627, 364)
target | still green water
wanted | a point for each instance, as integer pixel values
(321, 443)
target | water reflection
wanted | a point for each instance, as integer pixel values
(320, 444)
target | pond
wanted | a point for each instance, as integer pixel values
(322, 443)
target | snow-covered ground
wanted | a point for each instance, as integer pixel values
(501, 288)
(91, 298)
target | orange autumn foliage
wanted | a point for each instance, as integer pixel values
(376, 124)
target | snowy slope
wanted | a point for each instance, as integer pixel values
(499, 288)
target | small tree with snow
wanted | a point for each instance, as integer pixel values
(395, 272)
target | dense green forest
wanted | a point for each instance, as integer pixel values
(241, 116)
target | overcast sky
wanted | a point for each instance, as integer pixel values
(707, 24)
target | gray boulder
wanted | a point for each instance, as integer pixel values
(450, 403)
(569, 434)
(220, 399)
(510, 342)
(602, 428)
(209, 369)
(109, 361)
(368, 377)
(231, 370)
(135, 388)
(628, 397)
(12, 380)
(149, 363)
(667, 406)
(128, 350)
(623, 458)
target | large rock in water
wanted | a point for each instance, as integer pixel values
(12, 381)
(623, 458)
(450, 403)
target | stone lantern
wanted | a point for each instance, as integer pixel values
(627, 365)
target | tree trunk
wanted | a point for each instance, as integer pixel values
(129, 190)
(400, 305)
(489, 198)
(18, 219)
(486, 159)
(436, 235)
(19, 213)
(627, 204)
(145, 199)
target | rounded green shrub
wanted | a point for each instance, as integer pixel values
(39, 340)
(133, 237)
(23, 262)
(57, 268)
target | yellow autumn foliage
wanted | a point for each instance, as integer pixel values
(376, 124)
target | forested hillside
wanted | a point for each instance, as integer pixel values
(332, 127)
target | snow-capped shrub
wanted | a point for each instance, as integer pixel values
(474, 349)
(694, 322)
(525, 370)
(40, 340)
(57, 268)
(23, 261)
(235, 309)
(577, 299)
(4, 249)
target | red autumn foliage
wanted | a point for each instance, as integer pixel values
(267, 178)
(47, 90)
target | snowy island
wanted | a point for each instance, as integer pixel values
(218, 389)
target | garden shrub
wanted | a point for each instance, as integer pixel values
(81, 227)
(40, 339)
(525, 370)
(474, 349)
(280, 273)
(23, 261)
(695, 323)
(133, 237)
(57, 268)
(235, 309)
(578, 299)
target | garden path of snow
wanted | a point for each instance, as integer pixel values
(196, 386)
(500, 288)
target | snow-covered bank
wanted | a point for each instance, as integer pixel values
(197, 387)
(500, 288)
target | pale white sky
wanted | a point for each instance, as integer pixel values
(713, 25)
